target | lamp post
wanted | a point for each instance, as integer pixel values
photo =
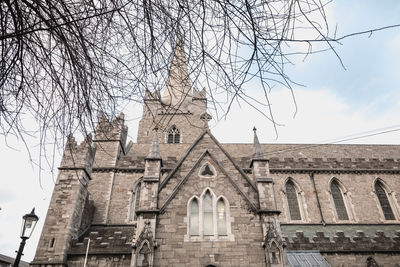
(28, 225)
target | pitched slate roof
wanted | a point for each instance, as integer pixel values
(306, 258)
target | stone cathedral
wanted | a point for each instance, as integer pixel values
(179, 197)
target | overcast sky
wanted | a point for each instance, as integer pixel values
(335, 104)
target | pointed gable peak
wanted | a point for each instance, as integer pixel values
(177, 88)
(258, 152)
(154, 152)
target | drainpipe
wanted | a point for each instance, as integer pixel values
(316, 195)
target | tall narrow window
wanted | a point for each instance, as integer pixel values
(221, 217)
(208, 226)
(137, 199)
(194, 217)
(173, 135)
(384, 201)
(293, 203)
(338, 201)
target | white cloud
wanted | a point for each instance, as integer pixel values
(321, 116)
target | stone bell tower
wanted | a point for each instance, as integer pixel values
(71, 208)
(177, 111)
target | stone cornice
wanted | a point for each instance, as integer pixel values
(331, 170)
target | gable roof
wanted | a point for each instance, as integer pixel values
(207, 131)
(183, 181)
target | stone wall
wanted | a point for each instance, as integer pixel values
(244, 250)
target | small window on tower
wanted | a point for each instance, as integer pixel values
(173, 135)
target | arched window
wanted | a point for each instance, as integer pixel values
(293, 203)
(173, 135)
(208, 225)
(221, 217)
(384, 201)
(194, 217)
(135, 203)
(337, 196)
(208, 218)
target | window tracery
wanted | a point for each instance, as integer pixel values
(208, 217)
(134, 202)
(173, 135)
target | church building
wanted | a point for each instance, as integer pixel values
(179, 197)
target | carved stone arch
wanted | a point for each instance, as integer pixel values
(143, 257)
(391, 213)
(211, 192)
(340, 183)
(383, 183)
(144, 247)
(275, 254)
(135, 184)
(298, 187)
(133, 201)
(207, 170)
(274, 246)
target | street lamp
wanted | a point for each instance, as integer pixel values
(28, 225)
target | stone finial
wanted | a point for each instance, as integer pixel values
(258, 152)
(178, 85)
(205, 117)
(71, 142)
(154, 152)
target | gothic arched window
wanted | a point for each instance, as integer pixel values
(384, 201)
(208, 217)
(221, 217)
(194, 217)
(135, 202)
(293, 203)
(208, 225)
(173, 135)
(338, 200)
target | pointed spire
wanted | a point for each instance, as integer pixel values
(258, 152)
(154, 152)
(178, 85)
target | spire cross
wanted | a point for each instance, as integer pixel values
(205, 117)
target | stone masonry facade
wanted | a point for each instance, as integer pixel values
(178, 197)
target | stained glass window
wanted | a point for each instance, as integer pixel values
(338, 201)
(293, 203)
(384, 201)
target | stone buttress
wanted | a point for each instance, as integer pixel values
(70, 209)
(144, 243)
(275, 248)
